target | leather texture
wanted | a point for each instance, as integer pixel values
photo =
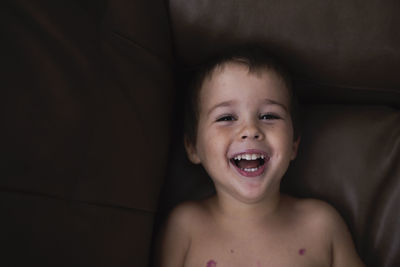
(92, 118)
(350, 157)
(339, 50)
(86, 98)
(345, 57)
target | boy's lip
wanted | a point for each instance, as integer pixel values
(254, 173)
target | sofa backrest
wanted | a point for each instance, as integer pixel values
(86, 99)
(345, 57)
(340, 51)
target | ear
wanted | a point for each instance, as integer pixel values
(191, 151)
(295, 147)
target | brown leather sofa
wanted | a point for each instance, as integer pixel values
(91, 118)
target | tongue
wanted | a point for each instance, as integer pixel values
(248, 164)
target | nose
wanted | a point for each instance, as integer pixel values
(251, 131)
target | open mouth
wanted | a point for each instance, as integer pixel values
(250, 164)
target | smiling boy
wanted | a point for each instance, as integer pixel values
(242, 133)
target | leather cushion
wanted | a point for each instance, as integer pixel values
(341, 50)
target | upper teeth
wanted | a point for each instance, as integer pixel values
(249, 156)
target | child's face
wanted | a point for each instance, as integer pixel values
(245, 133)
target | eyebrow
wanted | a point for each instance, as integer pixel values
(232, 102)
(273, 102)
(222, 104)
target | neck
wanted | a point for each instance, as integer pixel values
(229, 208)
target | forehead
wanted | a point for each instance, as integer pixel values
(235, 81)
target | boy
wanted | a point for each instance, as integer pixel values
(243, 134)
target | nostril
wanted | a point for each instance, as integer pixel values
(256, 136)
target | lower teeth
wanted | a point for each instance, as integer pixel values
(250, 169)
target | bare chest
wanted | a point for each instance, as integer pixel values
(286, 249)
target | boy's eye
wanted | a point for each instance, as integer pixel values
(269, 117)
(226, 118)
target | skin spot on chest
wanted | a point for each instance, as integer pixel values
(302, 251)
(211, 263)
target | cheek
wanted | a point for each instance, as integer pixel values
(212, 142)
(283, 140)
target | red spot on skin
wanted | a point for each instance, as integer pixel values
(302, 251)
(211, 263)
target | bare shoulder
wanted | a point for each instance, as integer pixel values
(319, 215)
(175, 236)
(187, 215)
(325, 220)
(183, 220)
(317, 211)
